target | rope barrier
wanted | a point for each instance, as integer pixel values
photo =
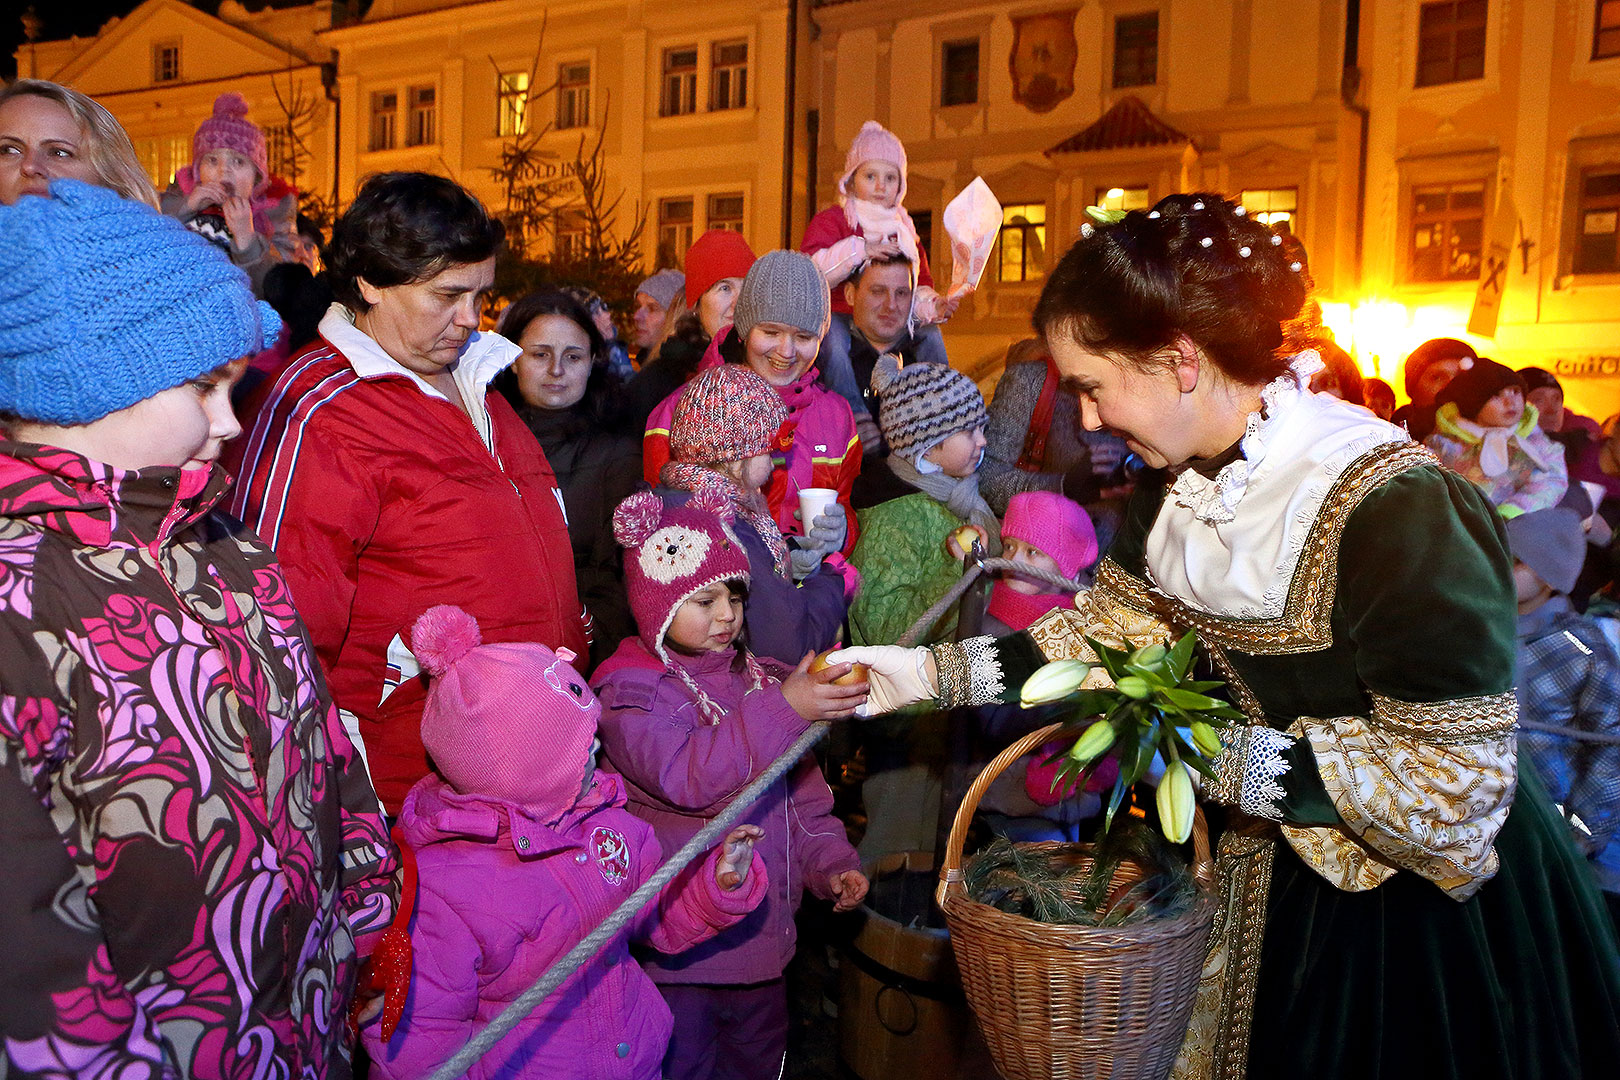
(593, 942)
(962, 584)
(1570, 733)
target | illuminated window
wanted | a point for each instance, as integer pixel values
(570, 229)
(574, 95)
(728, 80)
(679, 95)
(959, 73)
(512, 103)
(674, 231)
(1123, 198)
(1273, 206)
(166, 61)
(162, 157)
(1448, 229)
(384, 111)
(1021, 246)
(1597, 245)
(1606, 30)
(1136, 50)
(421, 126)
(1451, 42)
(726, 211)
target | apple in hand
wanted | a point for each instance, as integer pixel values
(857, 672)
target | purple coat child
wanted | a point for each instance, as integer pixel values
(521, 852)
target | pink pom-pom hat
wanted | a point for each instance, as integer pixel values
(511, 720)
(228, 128)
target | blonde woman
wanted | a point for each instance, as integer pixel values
(52, 132)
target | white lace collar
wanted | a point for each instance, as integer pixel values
(1214, 500)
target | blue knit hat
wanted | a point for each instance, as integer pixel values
(105, 302)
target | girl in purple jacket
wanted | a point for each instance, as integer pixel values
(689, 717)
(522, 850)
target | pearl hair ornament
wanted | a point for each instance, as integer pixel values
(1205, 242)
(1240, 211)
(1243, 252)
(1153, 215)
(1295, 267)
(1276, 241)
(1198, 206)
(1086, 230)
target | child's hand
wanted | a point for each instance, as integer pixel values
(815, 696)
(850, 889)
(736, 856)
(209, 194)
(881, 249)
(945, 306)
(238, 219)
(954, 546)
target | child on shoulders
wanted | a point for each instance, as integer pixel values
(690, 717)
(1485, 432)
(522, 850)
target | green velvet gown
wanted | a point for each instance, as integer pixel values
(1409, 904)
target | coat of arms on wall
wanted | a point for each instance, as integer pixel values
(1042, 59)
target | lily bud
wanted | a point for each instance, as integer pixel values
(1149, 655)
(1134, 686)
(1204, 737)
(1175, 801)
(1053, 682)
(1096, 739)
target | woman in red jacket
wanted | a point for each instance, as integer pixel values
(390, 477)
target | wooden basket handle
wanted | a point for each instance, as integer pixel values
(950, 871)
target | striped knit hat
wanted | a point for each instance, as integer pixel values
(727, 413)
(922, 405)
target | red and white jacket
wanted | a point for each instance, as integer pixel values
(383, 499)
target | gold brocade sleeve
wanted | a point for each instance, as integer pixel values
(1419, 787)
(1109, 611)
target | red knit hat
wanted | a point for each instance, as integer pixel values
(671, 553)
(230, 129)
(513, 721)
(717, 254)
(727, 413)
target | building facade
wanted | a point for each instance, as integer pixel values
(1418, 148)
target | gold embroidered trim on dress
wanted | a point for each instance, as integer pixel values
(1455, 720)
(1217, 1043)
(1304, 625)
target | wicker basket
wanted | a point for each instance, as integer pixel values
(1056, 1002)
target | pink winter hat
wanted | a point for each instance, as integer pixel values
(874, 142)
(512, 721)
(727, 413)
(1058, 526)
(230, 129)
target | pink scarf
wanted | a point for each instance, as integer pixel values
(684, 476)
(1019, 610)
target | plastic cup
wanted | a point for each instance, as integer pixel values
(813, 502)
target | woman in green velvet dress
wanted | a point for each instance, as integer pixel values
(1399, 898)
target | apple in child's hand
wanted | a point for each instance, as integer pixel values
(961, 540)
(857, 672)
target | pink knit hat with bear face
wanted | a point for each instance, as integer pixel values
(230, 129)
(1058, 526)
(874, 142)
(670, 553)
(512, 721)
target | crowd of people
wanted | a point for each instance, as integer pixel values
(340, 612)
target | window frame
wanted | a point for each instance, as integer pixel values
(1425, 7)
(714, 220)
(733, 74)
(665, 222)
(1261, 215)
(162, 50)
(1413, 220)
(1598, 30)
(946, 45)
(1021, 231)
(1103, 196)
(388, 117)
(1120, 19)
(574, 98)
(417, 133)
(687, 93)
(1583, 206)
(512, 104)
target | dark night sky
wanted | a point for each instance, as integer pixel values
(63, 18)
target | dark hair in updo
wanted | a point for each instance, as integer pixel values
(1128, 289)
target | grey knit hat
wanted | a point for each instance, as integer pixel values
(922, 405)
(663, 286)
(1550, 542)
(783, 287)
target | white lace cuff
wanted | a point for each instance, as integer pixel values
(1248, 767)
(969, 672)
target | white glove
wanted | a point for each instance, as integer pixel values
(897, 676)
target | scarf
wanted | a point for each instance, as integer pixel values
(1020, 610)
(959, 494)
(751, 506)
(1496, 443)
(885, 223)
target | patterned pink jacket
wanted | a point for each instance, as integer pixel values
(191, 857)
